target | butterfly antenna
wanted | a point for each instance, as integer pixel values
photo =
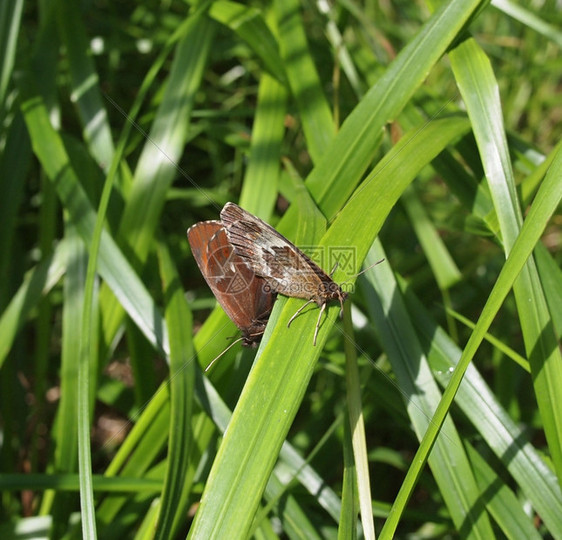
(362, 271)
(368, 268)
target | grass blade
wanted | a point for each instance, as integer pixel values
(479, 88)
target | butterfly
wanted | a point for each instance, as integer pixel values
(245, 297)
(278, 261)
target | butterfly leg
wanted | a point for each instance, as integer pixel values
(318, 323)
(297, 312)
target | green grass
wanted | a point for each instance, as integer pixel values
(424, 134)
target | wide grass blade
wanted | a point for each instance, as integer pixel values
(305, 84)
(260, 186)
(86, 91)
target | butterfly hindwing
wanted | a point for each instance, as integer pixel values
(245, 297)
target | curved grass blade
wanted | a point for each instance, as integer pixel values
(545, 203)
(448, 461)
(182, 382)
(480, 93)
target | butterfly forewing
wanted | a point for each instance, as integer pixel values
(272, 256)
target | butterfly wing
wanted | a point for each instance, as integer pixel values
(271, 256)
(243, 295)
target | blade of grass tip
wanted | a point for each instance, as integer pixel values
(357, 425)
(543, 207)
(528, 18)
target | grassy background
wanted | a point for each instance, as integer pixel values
(424, 133)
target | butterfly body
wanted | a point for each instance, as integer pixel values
(271, 256)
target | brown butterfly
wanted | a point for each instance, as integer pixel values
(274, 258)
(245, 297)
